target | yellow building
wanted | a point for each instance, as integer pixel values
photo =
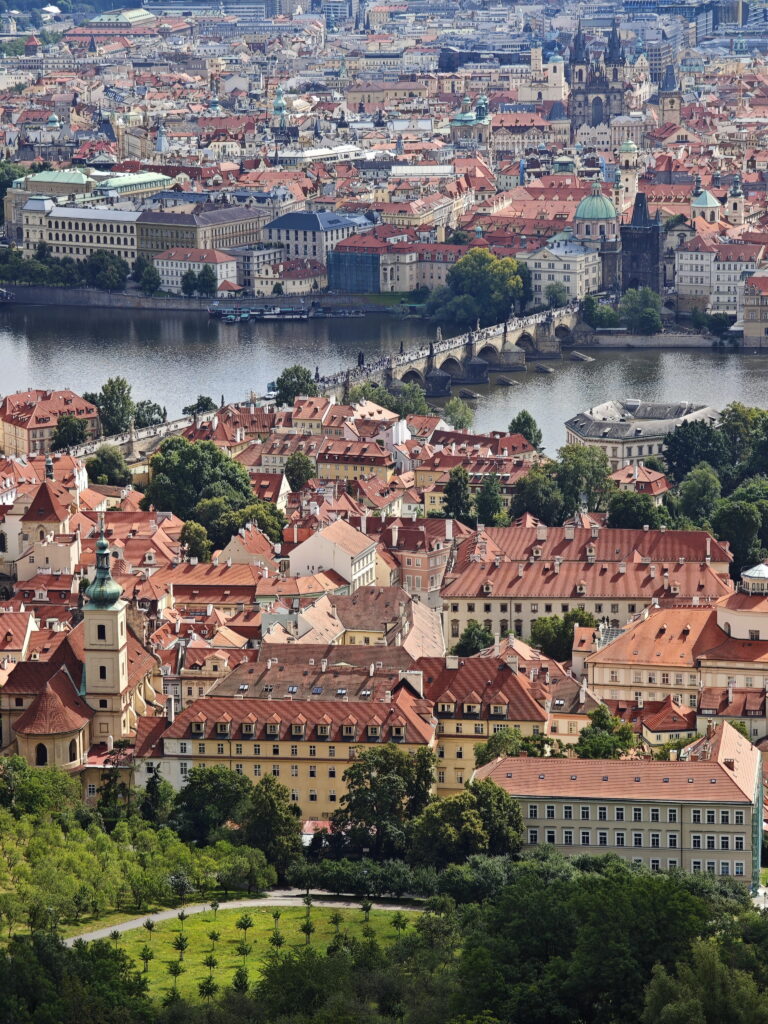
(306, 744)
(78, 232)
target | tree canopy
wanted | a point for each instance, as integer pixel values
(294, 382)
(183, 473)
(69, 433)
(115, 404)
(108, 466)
(480, 286)
(523, 423)
(606, 736)
(473, 639)
(553, 635)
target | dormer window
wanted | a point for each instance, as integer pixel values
(498, 709)
(488, 587)
(248, 728)
(374, 731)
(272, 728)
(581, 588)
(348, 730)
(471, 709)
(323, 730)
(398, 732)
(445, 709)
(222, 728)
(537, 551)
(198, 728)
(297, 729)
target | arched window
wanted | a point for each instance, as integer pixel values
(587, 229)
(615, 74)
(581, 76)
(41, 755)
(41, 535)
(727, 628)
(73, 750)
(3, 542)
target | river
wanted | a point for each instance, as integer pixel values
(171, 358)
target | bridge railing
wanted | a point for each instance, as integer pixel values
(129, 437)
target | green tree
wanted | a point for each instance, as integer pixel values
(246, 869)
(146, 955)
(509, 743)
(473, 639)
(754, 491)
(180, 944)
(272, 823)
(149, 414)
(108, 466)
(140, 264)
(582, 474)
(739, 726)
(481, 820)
(295, 382)
(556, 295)
(458, 413)
(538, 494)
(69, 432)
(480, 286)
(699, 492)
(692, 443)
(299, 469)
(212, 796)
(150, 281)
(106, 271)
(184, 473)
(738, 522)
(386, 788)
(553, 635)
(632, 510)
(457, 502)
(189, 283)
(202, 404)
(409, 401)
(277, 288)
(115, 404)
(704, 990)
(206, 281)
(194, 538)
(523, 423)
(488, 504)
(640, 311)
(606, 736)
(742, 426)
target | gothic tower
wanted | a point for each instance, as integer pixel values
(670, 98)
(628, 174)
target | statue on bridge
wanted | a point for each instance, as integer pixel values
(439, 334)
(317, 373)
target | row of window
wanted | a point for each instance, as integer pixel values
(275, 749)
(698, 816)
(583, 837)
(533, 607)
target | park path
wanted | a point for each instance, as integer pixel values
(275, 898)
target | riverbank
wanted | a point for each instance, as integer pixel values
(94, 298)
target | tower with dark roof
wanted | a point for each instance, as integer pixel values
(597, 85)
(105, 651)
(670, 98)
(642, 248)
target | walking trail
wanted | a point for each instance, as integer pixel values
(275, 898)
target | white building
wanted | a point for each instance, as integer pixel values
(339, 547)
(173, 264)
(563, 260)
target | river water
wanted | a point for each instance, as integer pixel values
(172, 357)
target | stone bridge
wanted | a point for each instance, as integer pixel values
(468, 358)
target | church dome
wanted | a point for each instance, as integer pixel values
(595, 206)
(104, 591)
(628, 147)
(705, 201)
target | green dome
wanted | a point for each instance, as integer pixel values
(595, 206)
(628, 147)
(104, 591)
(705, 201)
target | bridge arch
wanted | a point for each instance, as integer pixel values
(413, 377)
(489, 353)
(564, 335)
(526, 342)
(453, 366)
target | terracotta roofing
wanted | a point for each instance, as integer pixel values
(484, 681)
(46, 506)
(58, 709)
(727, 770)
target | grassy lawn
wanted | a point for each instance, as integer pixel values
(197, 927)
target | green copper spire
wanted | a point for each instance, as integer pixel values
(104, 591)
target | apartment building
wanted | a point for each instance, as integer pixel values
(628, 430)
(348, 460)
(308, 234)
(198, 226)
(338, 547)
(702, 813)
(28, 419)
(512, 687)
(78, 232)
(564, 261)
(507, 578)
(173, 264)
(692, 650)
(306, 744)
(710, 275)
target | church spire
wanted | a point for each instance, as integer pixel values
(579, 47)
(614, 52)
(104, 591)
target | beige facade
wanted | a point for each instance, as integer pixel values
(566, 262)
(79, 232)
